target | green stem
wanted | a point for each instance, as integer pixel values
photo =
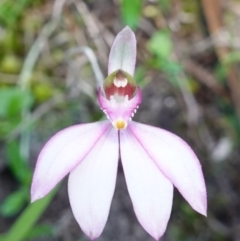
(28, 218)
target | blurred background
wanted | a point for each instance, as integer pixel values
(188, 67)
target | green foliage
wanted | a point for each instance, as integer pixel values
(41, 230)
(231, 58)
(222, 68)
(13, 101)
(233, 120)
(22, 172)
(221, 73)
(14, 202)
(140, 74)
(131, 12)
(11, 10)
(160, 44)
(23, 227)
(18, 165)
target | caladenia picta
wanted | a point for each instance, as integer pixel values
(154, 160)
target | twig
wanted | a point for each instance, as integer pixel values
(39, 44)
(92, 59)
(106, 34)
(220, 39)
(36, 115)
(93, 30)
(57, 9)
(60, 98)
(213, 13)
(203, 76)
(193, 111)
(73, 81)
(30, 61)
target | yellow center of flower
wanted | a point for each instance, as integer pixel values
(120, 124)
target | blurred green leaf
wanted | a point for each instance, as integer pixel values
(14, 203)
(2, 237)
(11, 10)
(231, 58)
(161, 44)
(131, 12)
(171, 67)
(7, 125)
(13, 101)
(26, 221)
(233, 119)
(41, 230)
(140, 76)
(221, 72)
(17, 164)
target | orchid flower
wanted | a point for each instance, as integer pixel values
(154, 160)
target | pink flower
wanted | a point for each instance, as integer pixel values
(154, 160)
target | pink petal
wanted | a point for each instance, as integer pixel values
(150, 191)
(62, 153)
(123, 52)
(176, 160)
(91, 185)
(122, 110)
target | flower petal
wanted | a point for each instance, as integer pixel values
(62, 153)
(91, 185)
(123, 52)
(150, 191)
(176, 160)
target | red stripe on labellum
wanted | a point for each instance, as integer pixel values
(121, 91)
(128, 90)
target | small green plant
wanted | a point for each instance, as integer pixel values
(131, 12)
